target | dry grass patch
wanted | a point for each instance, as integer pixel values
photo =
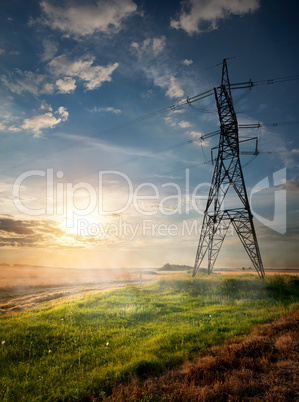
(262, 367)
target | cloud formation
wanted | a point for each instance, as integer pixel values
(28, 81)
(38, 233)
(198, 135)
(187, 62)
(63, 113)
(105, 109)
(150, 45)
(81, 20)
(199, 16)
(50, 49)
(4, 127)
(174, 90)
(184, 124)
(66, 85)
(47, 120)
(173, 120)
(83, 68)
(15, 226)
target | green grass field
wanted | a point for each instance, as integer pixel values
(71, 350)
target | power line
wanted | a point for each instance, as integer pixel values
(179, 104)
(263, 50)
(241, 126)
(200, 138)
(250, 84)
(187, 101)
(194, 140)
(207, 162)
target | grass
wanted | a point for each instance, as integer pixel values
(262, 367)
(74, 350)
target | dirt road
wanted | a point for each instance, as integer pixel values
(25, 287)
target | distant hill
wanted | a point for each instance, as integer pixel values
(175, 267)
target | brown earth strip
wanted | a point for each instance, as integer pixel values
(262, 367)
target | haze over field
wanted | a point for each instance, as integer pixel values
(26, 287)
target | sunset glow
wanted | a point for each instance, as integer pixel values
(105, 163)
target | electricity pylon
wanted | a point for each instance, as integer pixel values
(227, 175)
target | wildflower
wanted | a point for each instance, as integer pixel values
(107, 343)
(61, 319)
(50, 351)
(210, 315)
(3, 342)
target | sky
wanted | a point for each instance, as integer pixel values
(105, 164)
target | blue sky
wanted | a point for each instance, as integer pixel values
(75, 76)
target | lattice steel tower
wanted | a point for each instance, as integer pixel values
(227, 175)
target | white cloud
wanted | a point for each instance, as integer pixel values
(45, 106)
(184, 124)
(295, 151)
(154, 45)
(159, 44)
(66, 85)
(28, 81)
(105, 109)
(174, 90)
(7, 120)
(200, 137)
(170, 121)
(2, 126)
(47, 89)
(80, 20)
(63, 113)
(196, 134)
(94, 76)
(187, 62)
(47, 120)
(202, 16)
(14, 129)
(50, 49)
(37, 123)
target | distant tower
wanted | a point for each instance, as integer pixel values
(227, 175)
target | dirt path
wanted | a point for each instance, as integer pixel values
(26, 287)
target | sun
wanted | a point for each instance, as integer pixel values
(82, 227)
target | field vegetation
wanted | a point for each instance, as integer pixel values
(83, 349)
